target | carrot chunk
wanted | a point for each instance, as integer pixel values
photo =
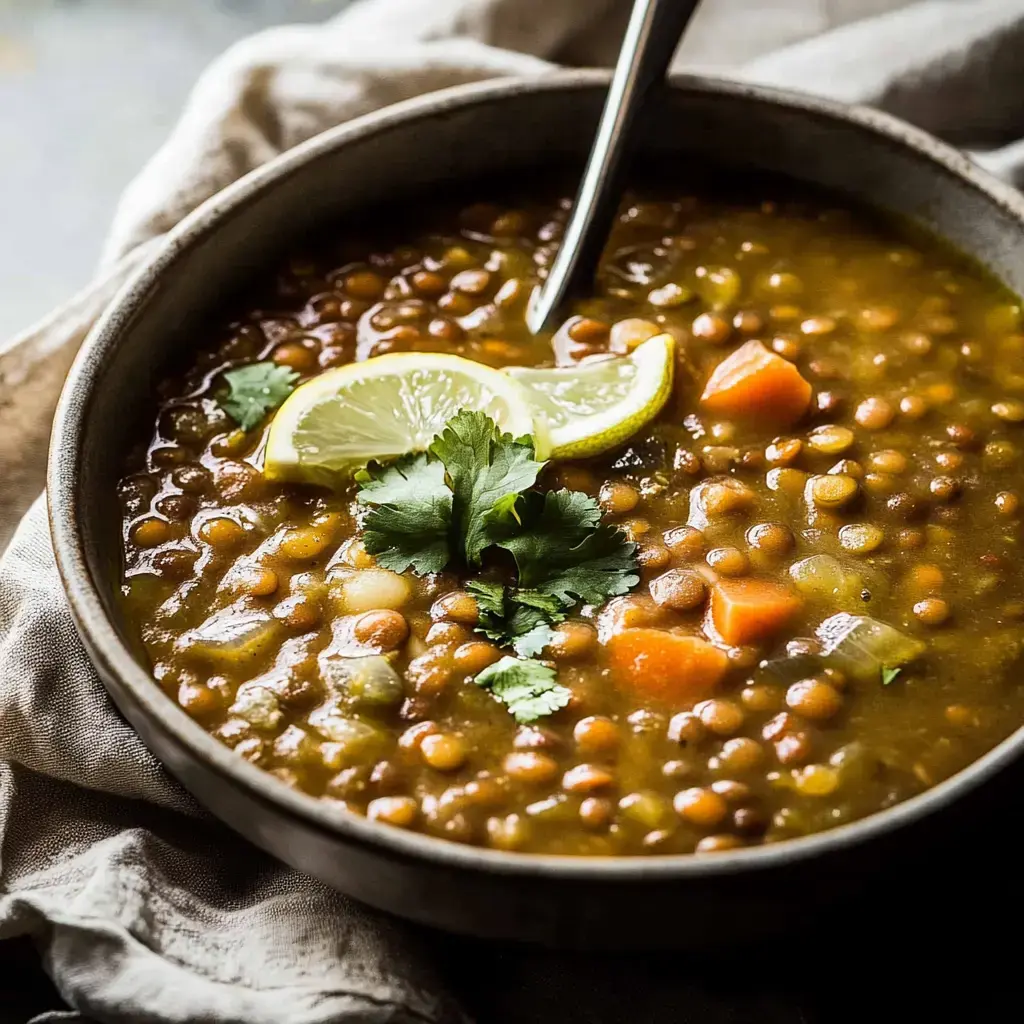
(744, 611)
(664, 665)
(753, 382)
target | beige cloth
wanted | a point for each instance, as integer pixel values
(143, 908)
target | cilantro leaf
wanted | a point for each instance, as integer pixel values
(545, 603)
(528, 688)
(531, 622)
(529, 629)
(552, 523)
(534, 640)
(407, 478)
(255, 390)
(487, 470)
(521, 619)
(564, 552)
(889, 674)
(490, 597)
(409, 519)
(490, 600)
(503, 513)
(601, 566)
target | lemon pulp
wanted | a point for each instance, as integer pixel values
(591, 408)
(385, 407)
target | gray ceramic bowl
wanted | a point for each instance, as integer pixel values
(450, 136)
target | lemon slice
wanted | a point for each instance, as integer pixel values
(596, 406)
(385, 407)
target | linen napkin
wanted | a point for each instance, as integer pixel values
(142, 907)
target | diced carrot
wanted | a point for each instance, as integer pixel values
(755, 383)
(744, 611)
(666, 666)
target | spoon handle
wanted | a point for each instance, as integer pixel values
(652, 35)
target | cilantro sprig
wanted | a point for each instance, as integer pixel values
(518, 618)
(488, 471)
(472, 491)
(562, 550)
(527, 688)
(472, 495)
(255, 390)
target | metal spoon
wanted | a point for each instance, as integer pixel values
(652, 35)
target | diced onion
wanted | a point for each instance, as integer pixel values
(861, 646)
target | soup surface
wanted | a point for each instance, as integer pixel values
(828, 610)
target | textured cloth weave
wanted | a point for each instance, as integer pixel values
(144, 908)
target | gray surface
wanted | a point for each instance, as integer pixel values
(88, 89)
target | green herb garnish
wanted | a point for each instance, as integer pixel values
(529, 689)
(563, 550)
(488, 470)
(889, 674)
(520, 619)
(471, 492)
(411, 516)
(255, 390)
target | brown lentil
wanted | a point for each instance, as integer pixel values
(679, 589)
(728, 561)
(814, 699)
(385, 629)
(474, 657)
(394, 810)
(456, 606)
(685, 542)
(771, 538)
(722, 717)
(874, 413)
(712, 328)
(585, 778)
(530, 767)
(596, 812)
(932, 611)
(619, 498)
(861, 538)
(740, 754)
(700, 807)
(444, 751)
(686, 727)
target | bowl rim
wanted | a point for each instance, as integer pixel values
(115, 662)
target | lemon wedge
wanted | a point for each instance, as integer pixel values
(596, 406)
(388, 406)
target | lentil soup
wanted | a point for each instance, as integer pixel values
(826, 512)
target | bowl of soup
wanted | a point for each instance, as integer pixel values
(809, 645)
